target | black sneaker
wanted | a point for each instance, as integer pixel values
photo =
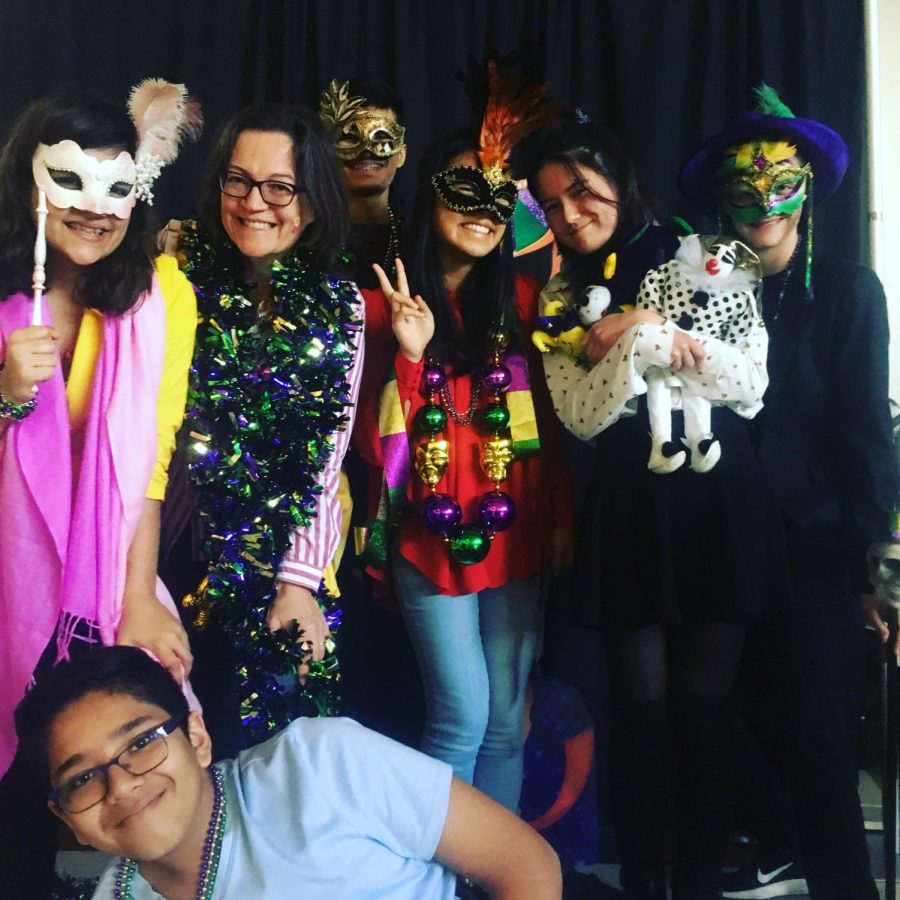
(761, 882)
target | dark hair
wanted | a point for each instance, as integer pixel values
(103, 670)
(486, 296)
(315, 169)
(587, 144)
(377, 93)
(112, 284)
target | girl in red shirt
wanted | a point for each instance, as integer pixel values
(468, 455)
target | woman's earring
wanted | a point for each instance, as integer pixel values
(296, 228)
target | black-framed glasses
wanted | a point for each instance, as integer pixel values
(275, 193)
(143, 754)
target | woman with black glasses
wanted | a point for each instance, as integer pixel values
(273, 385)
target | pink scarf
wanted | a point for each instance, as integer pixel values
(63, 549)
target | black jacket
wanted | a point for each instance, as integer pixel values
(824, 436)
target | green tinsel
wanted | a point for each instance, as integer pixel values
(268, 391)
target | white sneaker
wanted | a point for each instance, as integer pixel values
(759, 883)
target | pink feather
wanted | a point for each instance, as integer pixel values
(164, 116)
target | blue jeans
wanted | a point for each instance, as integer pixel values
(475, 653)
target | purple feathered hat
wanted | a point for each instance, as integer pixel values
(816, 143)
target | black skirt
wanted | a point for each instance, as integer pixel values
(681, 548)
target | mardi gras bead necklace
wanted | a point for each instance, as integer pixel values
(785, 277)
(268, 392)
(393, 245)
(468, 543)
(209, 860)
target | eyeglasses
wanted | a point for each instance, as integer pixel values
(275, 193)
(142, 755)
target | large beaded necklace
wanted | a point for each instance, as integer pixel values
(268, 392)
(468, 543)
(209, 861)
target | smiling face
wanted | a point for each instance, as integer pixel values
(89, 200)
(147, 817)
(368, 173)
(776, 234)
(260, 231)
(465, 236)
(581, 208)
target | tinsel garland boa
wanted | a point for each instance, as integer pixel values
(268, 392)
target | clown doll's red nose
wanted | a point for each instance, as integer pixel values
(712, 266)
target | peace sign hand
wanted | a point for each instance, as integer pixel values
(411, 318)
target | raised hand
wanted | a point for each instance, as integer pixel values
(147, 624)
(411, 318)
(31, 358)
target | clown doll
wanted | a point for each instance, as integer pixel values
(707, 290)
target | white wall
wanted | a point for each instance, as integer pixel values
(884, 38)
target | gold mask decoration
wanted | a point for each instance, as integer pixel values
(431, 461)
(496, 457)
(372, 132)
(356, 128)
(761, 178)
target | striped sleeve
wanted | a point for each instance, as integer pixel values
(313, 547)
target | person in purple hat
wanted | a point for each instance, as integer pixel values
(671, 568)
(824, 442)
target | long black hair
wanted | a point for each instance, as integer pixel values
(113, 284)
(315, 168)
(486, 298)
(585, 143)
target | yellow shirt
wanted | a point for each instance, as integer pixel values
(181, 323)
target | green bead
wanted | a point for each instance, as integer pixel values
(469, 544)
(495, 417)
(431, 419)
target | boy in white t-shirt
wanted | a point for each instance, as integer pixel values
(326, 809)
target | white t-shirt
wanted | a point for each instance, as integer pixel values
(328, 810)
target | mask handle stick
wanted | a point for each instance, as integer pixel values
(40, 257)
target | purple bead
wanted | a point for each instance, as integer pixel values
(440, 513)
(496, 378)
(497, 510)
(433, 379)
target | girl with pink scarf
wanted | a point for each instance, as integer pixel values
(90, 400)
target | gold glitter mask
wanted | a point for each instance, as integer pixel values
(370, 132)
(762, 179)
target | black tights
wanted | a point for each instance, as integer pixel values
(673, 683)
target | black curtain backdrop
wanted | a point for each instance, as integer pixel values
(661, 73)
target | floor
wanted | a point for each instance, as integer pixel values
(89, 864)
(870, 796)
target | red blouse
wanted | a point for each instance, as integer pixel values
(540, 484)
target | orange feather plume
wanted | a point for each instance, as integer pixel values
(515, 108)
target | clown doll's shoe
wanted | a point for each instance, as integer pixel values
(705, 452)
(665, 457)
